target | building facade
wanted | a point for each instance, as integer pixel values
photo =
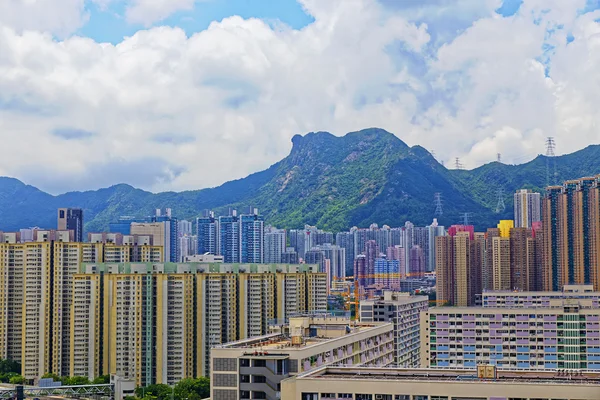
(207, 231)
(552, 338)
(527, 208)
(571, 219)
(255, 368)
(71, 219)
(275, 245)
(37, 294)
(404, 311)
(156, 322)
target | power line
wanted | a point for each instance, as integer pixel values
(438, 204)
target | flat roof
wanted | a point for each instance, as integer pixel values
(510, 310)
(446, 375)
(278, 341)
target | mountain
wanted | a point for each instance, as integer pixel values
(332, 182)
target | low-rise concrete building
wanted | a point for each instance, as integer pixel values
(254, 368)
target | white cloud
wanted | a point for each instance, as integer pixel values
(223, 103)
(60, 17)
(148, 12)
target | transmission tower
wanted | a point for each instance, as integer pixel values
(499, 157)
(457, 164)
(500, 207)
(550, 146)
(466, 218)
(438, 204)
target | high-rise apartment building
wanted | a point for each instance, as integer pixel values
(207, 231)
(562, 336)
(156, 322)
(404, 311)
(336, 256)
(241, 238)
(417, 264)
(252, 237)
(37, 292)
(360, 270)
(346, 241)
(229, 237)
(171, 233)
(303, 240)
(459, 259)
(527, 208)
(290, 256)
(387, 273)
(184, 228)
(71, 219)
(522, 259)
(123, 224)
(275, 245)
(571, 219)
(435, 230)
(501, 263)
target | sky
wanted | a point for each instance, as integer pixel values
(187, 94)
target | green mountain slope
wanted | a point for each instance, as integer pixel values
(328, 181)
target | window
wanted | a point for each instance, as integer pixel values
(402, 397)
(364, 396)
(259, 363)
(310, 396)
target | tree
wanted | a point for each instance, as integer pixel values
(101, 380)
(17, 380)
(54, 377)
(5, 377)
(159, 391)
(78, 380)
(9, 365)
(192, 389)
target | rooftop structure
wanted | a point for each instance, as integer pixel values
(436, 384)
(254, 368)
(585, 295)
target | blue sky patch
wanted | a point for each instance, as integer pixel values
(72, 133)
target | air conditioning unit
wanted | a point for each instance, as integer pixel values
(378, 397)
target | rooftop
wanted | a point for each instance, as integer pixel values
(329, 329)
(444, 375)
(568, 290)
